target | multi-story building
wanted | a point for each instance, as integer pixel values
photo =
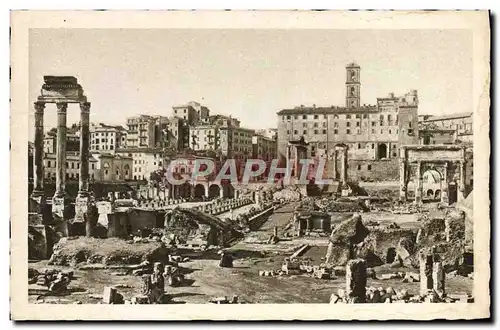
(141, 132)
(144, 161)
(437, 136)
(176, 134)
(373, 133)
(204, 137)
(264, 148)
(106, 138)
(192, 112)
(50, 142)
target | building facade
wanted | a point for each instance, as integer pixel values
(106, 138)
(192, 112)
(72, 167)
(113, 167)
(144, 161)
(372, 133)
(141, 132)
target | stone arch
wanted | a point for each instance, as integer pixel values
(214, 191)
(382, 150)
(199, 191)
(431, 176)
(430, 193)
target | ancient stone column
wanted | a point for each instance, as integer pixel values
(83, 185)
(444, 185)
(61, 150)
(438, 278)
(402, 179)
(461, 182)
(426, 263)
(356, 280)
(418, 184)
(343, 175)
(38, 152)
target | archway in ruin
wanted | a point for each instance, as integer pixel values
(437, 194)
(214, 191)
(199, 191)
(430, 193)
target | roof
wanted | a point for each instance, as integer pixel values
(352, 65)
(448, 117)
(327, 110)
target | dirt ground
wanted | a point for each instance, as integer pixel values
(207, 280)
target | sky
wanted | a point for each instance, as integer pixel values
(250, 74)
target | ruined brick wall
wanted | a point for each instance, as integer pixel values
(373, 170)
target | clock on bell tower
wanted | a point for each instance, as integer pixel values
(353, 85)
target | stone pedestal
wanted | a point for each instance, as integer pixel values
(426, 262)
(438, 278)
(356, 280)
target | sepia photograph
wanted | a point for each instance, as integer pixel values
(250, 158)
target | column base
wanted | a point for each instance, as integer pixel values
(37, 202)
(60, 208)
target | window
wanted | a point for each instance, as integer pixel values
(390, 132)
(288, 117)
(315, 124)
(359, 145)
(48, 164)
(316, 116)
(365, 116)
(348, 131)
(381, 131)
(324, 124)
(111, 147)
(348, 116)
(304, 125)
(373, 146)
(106, 172)
(304, 116)
(359, 167)
(72, 165)
(373, 123)
(93, 166)
(295, 117)
(316, 131)
(348, 124)
(335, 124)
(409, 124)
(335, 116)
(335, 131)
(295, 132)
(66, 164)
(394, 154)
(288, 132)
(369, 167)
(304, 132)
(357, 124)
(373, 131)
(324, 131)
(325, 116)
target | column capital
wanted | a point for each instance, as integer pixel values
(61, 107)
(39, 106)
(85, 106)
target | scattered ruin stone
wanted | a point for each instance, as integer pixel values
(356, 280)
(140, 300)
(226, 260)
(455, 225)
(109, 295)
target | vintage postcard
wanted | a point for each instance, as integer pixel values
(331, 162)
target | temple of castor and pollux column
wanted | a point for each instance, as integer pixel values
(61, 91)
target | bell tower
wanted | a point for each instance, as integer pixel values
(353, 86)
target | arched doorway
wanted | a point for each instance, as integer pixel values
(214, 191)
(382, 151)
(199, 191)
(430, 193)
